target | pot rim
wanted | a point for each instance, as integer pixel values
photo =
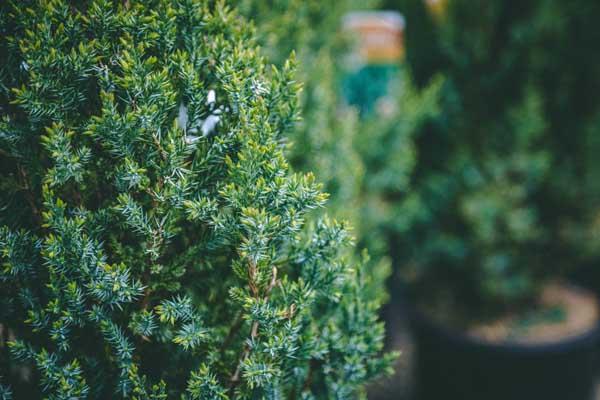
(458, 337)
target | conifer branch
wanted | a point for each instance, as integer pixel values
(252, 271)
(120, 201)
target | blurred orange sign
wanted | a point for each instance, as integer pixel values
(379, 35)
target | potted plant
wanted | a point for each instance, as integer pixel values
(482, 291)
(485, 264)
(154, 241)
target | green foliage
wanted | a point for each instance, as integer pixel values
(502, 183)
(153, 237)
(481, 229)
(390, 201)
(325, 140)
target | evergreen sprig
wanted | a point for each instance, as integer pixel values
(154, 240)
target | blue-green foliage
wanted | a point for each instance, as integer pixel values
(325, 139)
(503, 173)
(153, 238)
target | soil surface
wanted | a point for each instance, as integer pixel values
(563, 311)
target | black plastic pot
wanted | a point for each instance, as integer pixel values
(453, 366)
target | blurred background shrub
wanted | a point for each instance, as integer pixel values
(506, 169)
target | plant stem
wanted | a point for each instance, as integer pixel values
(255, 325)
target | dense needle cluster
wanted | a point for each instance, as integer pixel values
(153, 238)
